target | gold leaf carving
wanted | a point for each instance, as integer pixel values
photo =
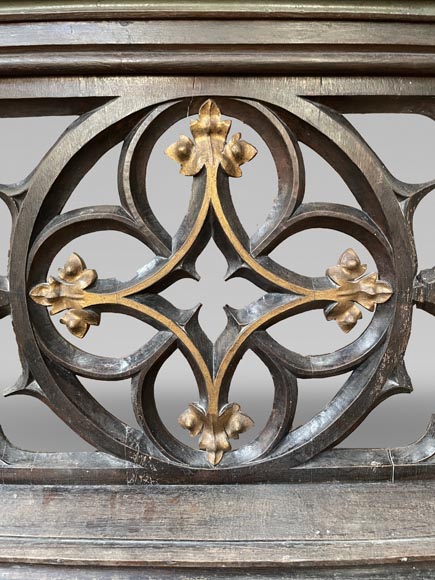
(68, 293)
(236, 153)
(215, 430)
(75, 272)
(354, 288)
(185, 153)
(78, 321)
(209, 148)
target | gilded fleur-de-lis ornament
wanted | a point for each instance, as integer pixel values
(351, 288)
(215, 429)
(209, 145)
(354, 288)
(68, 293)
(209, 149)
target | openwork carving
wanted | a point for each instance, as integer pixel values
(353, 289)
(68, 294)
(212, 157)
(216, 423)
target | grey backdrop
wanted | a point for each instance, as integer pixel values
(406, 144)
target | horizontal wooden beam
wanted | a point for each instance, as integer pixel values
(75, 95)
(219, 526)
(275, 46)
(404, 571)
(419, 10)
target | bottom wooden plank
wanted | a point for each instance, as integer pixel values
(245, 527)
(402, 572)
(220, 554)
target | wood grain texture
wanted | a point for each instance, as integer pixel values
(258, 34)
(281, 46)
(338, 465)
(225, 526)
(110, 514)
(417, 10)
(351, 94)
(151, 454)
(152, 445)
(414, 571)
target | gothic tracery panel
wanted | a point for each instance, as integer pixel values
(212, 156)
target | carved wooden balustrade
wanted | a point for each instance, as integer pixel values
(286, 110)
(211, 158)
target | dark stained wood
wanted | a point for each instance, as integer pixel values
(415, 571)
(144, 504)
(356, 94)
(136, 445)
(225, 526)
(281, 46)
(344, 465)
(416, 10)
(378, 367)
(212, 32)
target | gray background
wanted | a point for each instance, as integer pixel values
(406, 144)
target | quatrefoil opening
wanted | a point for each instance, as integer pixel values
(215, 420)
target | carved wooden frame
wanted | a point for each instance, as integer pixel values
(259, 53)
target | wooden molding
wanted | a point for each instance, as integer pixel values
(223, 527)
(417, 10)
(291, 502)
(169, 46)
